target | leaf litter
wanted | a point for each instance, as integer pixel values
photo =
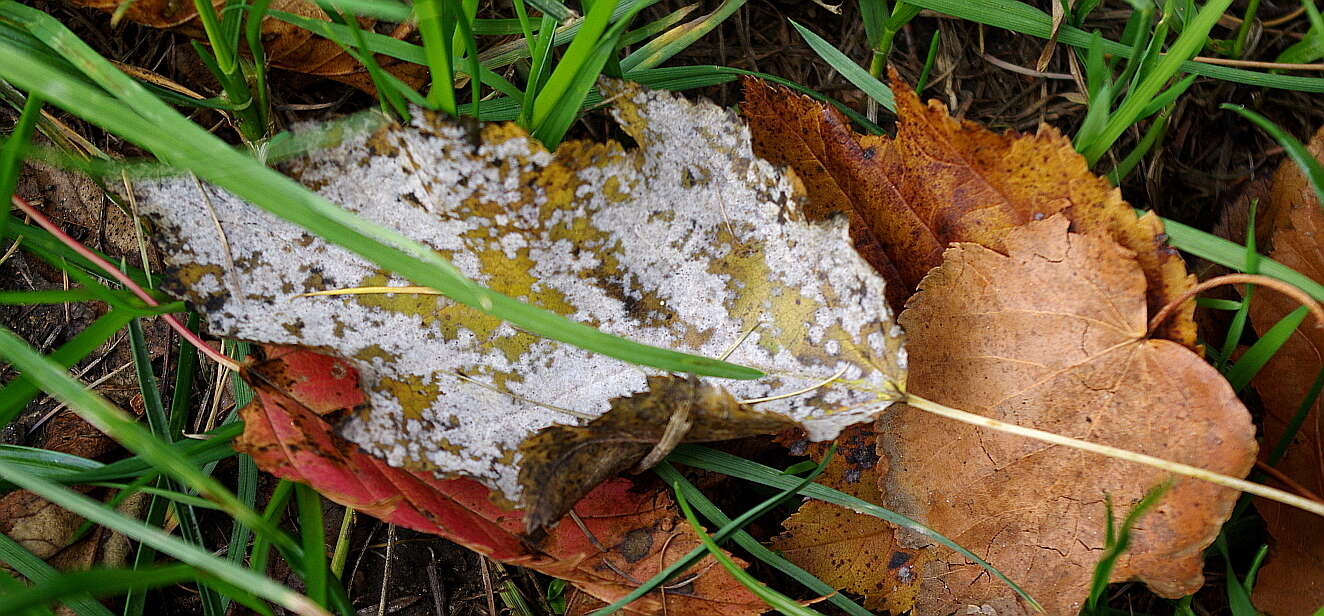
(687, 242)
(1292, 579)
(941, 182)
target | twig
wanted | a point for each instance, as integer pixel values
(122, 278)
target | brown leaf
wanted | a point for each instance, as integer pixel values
(942, 180)
(286, 46)
(849, 550)
(1052, 336)
(1292, 579)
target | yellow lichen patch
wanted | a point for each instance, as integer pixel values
(374, 351)
(414, 395)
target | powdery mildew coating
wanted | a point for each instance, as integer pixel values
(688, 242)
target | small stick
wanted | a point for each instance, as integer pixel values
(114, 272)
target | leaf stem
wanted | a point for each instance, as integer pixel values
(1177, 468)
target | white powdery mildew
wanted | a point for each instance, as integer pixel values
(690, 242)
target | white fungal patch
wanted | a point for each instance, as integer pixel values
(689, 243)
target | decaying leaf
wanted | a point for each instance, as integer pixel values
(1292, 579)
(942, 180)
(688, 242)
(1052, 336)
(848, 550)
(562, 463)
(286, 46)
(626, 536)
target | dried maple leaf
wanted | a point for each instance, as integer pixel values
(1292, 579)
(626, 536)
(286, 46)
(942, 181)
(688, 242)
(849, 550)
(1052, 336)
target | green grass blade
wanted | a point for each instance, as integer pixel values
(11, 156)
(709, 510)
(727, 530)
(1118, 541)
(853, 73)
(44, 462)
(676, 40)
(35, 569)
(1259, 354)
(720, 462)
(1023, 18)
(1233, 255)
(573, 62)
(121, 427)
(1186, 46)
(180, 550)
(1298, 420)
(774, 599)
(1309, 165)
(553, 9)
(314, 542)
(20, 391)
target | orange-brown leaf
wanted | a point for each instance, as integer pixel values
(1052, 336)
(627, 535)
(943, 180)
(849, 550)
(1292, 580)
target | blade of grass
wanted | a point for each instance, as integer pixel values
(121, 427)
(1233, 255)
(573, 62)
(735, 525)
(706, 507)
(1259, 354)
(1310, 166)
(35, 569)
(1118, 540)
(15, 148)
(774, 599)
(853, 73)
(676, 40)
(314, 542)
(721, 462)
(1025, 19)
(1189, 43)
(109, 582)
(184, 552)
(20, 391)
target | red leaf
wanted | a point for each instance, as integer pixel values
(289, 431)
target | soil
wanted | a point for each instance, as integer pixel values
(1207, 158)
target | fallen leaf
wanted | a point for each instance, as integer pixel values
(626, 536)
(563, 463)
(848, 550)
(1052, 336)
(688, 242)
(1292, 579)
(942, 181)
(285, 45)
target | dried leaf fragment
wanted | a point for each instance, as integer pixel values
(562, 463)
(1292, 579)
(942, 181)
(688, 242)
(1052, 336)
(848, 550)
